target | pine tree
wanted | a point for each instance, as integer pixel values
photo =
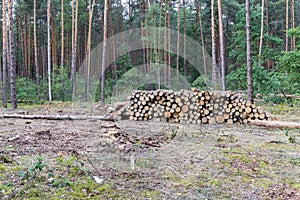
(103, 68)
(249, 52)
(49, 50)
(213, 48)
(35, 45)
(12, 59)
(4, 54)
(222, 50)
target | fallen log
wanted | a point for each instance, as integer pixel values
(276, 124)
(58, 117)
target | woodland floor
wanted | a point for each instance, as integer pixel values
(92, 159)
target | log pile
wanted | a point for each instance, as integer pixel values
(193, 106)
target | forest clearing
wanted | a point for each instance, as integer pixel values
(96, 99)
(94, 159)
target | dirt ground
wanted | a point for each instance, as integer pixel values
(93, 159)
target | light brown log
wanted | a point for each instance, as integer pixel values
(276, 124)
(220, 119)
(212, 120)
(248, 109)
(58, 117)
(167, 114)
(229, 121)
(185, 108)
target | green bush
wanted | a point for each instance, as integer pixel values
(26, 90)
(200, 83)
(288, 68)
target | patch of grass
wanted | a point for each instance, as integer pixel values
(5, 133)
(3, 168)
(227, 139)
(153, 194)
(281, 109)
(295, 161)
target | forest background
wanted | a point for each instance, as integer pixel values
(46, 42)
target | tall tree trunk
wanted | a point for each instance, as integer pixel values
(144, 52)
(62, 35)
(112, 33)
(261, 29)
(49, 50)
(222, 50)
(293, 42)
(202, 39)
(147, 35)
(286, 25)
(178, 39)
(12, 60)
(184, 39)
(249, 53)
(169, 44)
(213, 47)
(269, 62)
(28, 41)
(24, 43)
(104, 51)
(159, 33)
(4, 54)
(130, 27)
(166, 44)
(74, 50)
(35, 47)
(53, 43)
(91, 7)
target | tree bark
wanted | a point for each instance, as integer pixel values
(249, 52)
(261, 29)
(293, 39)
(144, 50)
(4, 54)
(62, 35)
(202, 39)
(91, 7)
(104, 52)
(12, 60)
(74, 50)
(166, 43)
(169, 44)
(184, 39)
(178, 39)
(49, 50)
(286, 25)
(35, 47)
(213, 48)
(222, 50)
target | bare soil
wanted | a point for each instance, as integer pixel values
(92, 159)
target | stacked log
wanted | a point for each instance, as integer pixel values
(193, 106)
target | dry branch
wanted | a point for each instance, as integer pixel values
(58, 117)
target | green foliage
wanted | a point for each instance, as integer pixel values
(34, 170)
(199, 83)
(263, 81)
(288, 67)
(26, 90)
(291, 138)
(61, 84)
